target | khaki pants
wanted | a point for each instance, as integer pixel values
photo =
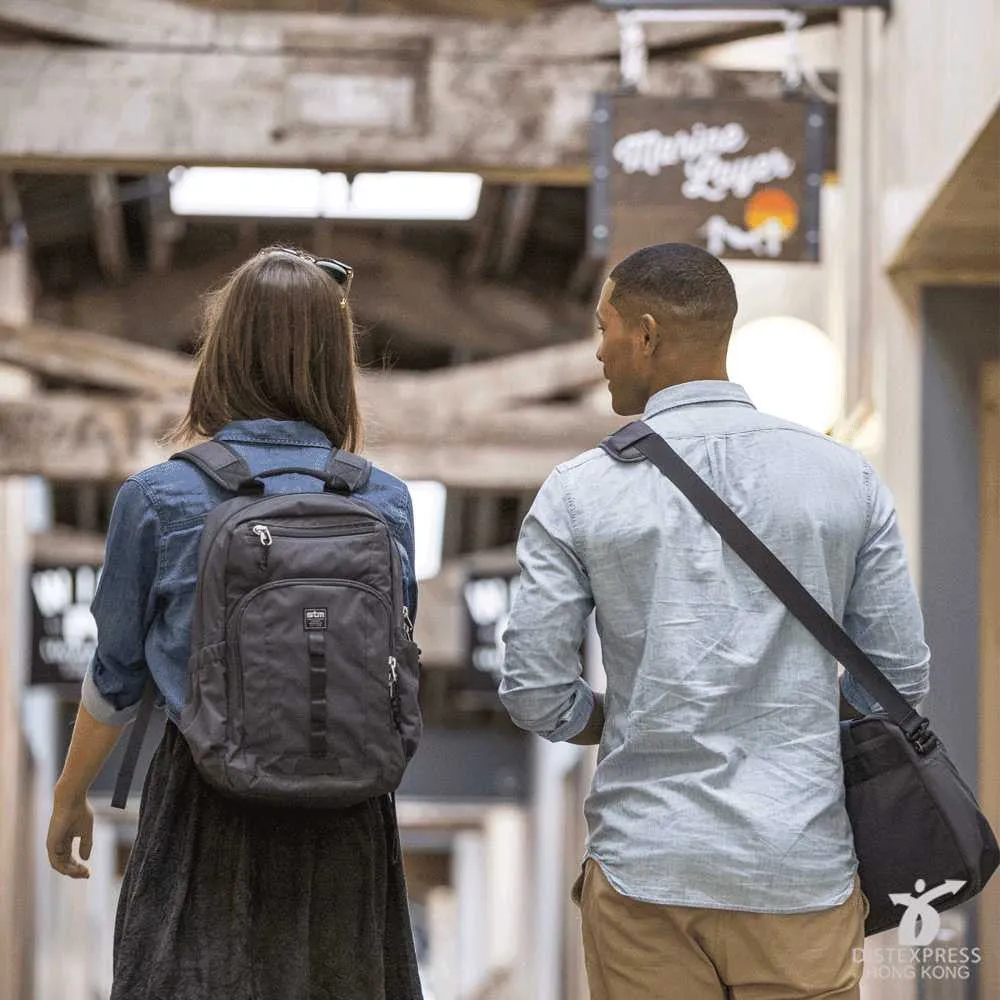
(641, 951)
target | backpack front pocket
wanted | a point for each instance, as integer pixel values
(312, 677)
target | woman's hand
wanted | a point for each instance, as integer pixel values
(71, 818)
(89, 748)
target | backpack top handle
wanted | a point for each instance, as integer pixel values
(344, 472)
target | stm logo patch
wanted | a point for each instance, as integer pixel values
(314, 618)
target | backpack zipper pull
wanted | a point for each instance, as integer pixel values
(407, 623)
(394, 691)
(264, 534)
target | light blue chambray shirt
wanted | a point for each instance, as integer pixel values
(719, 780)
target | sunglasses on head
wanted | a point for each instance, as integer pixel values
(342, 273)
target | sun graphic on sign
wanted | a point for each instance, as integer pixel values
(772, 203)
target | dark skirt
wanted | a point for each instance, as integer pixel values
(224, 901)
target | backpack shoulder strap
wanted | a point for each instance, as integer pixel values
(346, 472)
(221, 464)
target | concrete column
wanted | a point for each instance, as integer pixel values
(16, 829)
(15, 907)
(506, 876)
(552, 761)
(102, 901)
(442, 922)
(469, 879)
(15, 286)
(854, 168)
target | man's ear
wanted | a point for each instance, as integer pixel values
(649, 330)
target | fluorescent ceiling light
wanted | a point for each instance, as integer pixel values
(278, 193)
(241, 191)
(407, 195)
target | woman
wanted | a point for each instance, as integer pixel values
(223, 900)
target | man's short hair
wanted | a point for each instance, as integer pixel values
(678, 284)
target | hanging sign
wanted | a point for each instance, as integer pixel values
(739, 177)
(64, 633)
(487, 599)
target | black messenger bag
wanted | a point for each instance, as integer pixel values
(917, 825)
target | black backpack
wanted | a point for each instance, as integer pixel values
(303, 677)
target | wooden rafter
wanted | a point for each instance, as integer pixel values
(482, 426)
(518, 212)
(95, 360)
(109, 225)
(407, 291)
(371, 97)
(576, 31)
(81, 438)
(484, 229)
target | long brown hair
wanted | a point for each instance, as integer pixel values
(277, 341)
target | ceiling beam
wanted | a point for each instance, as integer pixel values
(404, 106)
(583, 281)
(112, 22)
(484, 225)
(409, 292)
(66, 437)
(109, 225)
(578, 31)
(482, 426)
(434, 401)
(95, 360)
(532, 376)
(163, 229)
(519, 210)
(11, 213)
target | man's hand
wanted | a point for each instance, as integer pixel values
(591, 733)
(71, 818)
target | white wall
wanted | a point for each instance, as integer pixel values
(938, 79)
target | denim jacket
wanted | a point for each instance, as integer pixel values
(145, 599)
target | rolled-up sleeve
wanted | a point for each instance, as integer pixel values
(542, 686)
(883, 614)
(123, 607)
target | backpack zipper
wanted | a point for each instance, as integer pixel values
(394, 694)
(265, 535)
(279, 530)
(262, 532)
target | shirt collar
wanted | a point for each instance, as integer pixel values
(268, 431)
(692, 393)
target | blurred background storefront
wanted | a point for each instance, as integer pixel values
(462, 156)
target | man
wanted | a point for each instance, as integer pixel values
(720, 855)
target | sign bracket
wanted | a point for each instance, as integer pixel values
(634, 49)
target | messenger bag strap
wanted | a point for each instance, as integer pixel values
(640, 437)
